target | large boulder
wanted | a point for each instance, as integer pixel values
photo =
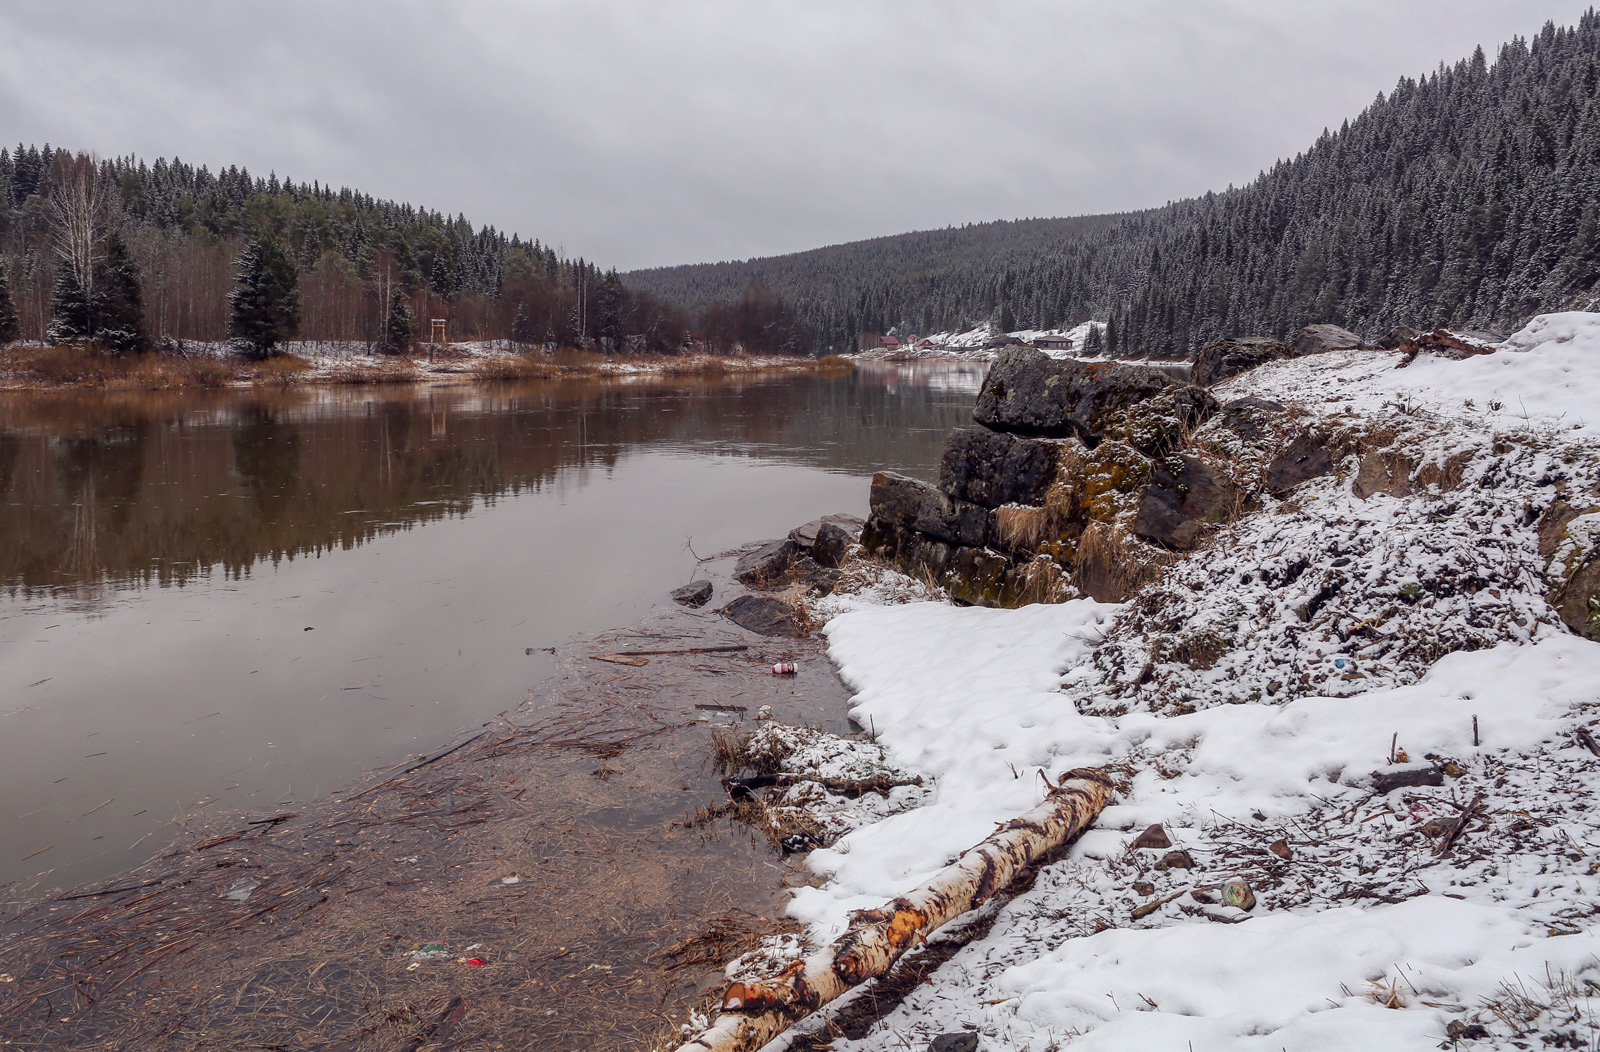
(1315, 339)
(1221, 359)
(918, 506)
(765, 564)
(1029, 393)
(991, 468)
(763, 615)
(1185, 495)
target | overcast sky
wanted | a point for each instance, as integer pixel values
(647, 132)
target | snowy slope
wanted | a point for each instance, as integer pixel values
(1363, 937)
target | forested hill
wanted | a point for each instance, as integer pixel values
(1468, 197)
(179, 228)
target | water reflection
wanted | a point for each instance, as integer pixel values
(151, 487)
(356, 574)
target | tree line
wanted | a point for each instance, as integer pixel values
(129, 256)
(1467, 197)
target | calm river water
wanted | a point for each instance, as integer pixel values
(244, 599)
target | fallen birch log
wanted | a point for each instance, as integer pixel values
(754, 1013)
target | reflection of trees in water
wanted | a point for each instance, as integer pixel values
(266, 453)
(160, 488)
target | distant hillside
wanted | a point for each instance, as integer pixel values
(1468, 197)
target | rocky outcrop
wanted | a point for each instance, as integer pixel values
(1442, 343)
(915, 505)
(1029, 393)
(1221, 359)
(1165, 422)
(991, 468)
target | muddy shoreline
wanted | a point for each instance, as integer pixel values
(557, 845)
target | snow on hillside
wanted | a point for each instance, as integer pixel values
(1365, 933)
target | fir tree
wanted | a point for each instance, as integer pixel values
(522, 330)
(265, 299)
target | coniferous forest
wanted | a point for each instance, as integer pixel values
(132, 255)
(1468, 197)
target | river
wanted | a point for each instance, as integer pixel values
(243, 599)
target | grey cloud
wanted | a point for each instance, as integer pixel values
(638, 132)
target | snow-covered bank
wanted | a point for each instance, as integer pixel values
(1461, 911)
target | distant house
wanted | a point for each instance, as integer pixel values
(871, 341)
(891, 342)
(1052, 343)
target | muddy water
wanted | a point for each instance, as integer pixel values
(243, 600)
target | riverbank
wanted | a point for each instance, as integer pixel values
(208, 366)
(1352, 728)
(561, 874)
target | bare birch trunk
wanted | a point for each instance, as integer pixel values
(754, 1013)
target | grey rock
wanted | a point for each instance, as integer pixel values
(1184, 496)
(1221, 359)
(957, 1042)
(1315, 339)
(921, 507)
(833, 540)
(1577, 597)
(695, 593)
(766, 564)
(1250, 418)
(1307, 457)
(806, 536)
(991, 468)
(763, 615)
(1388, 781)
(1029, 393)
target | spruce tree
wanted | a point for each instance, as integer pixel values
(118, 300)
(10, 323)
(399, 326)
(71, 309)
(265, 299)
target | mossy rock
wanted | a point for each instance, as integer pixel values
(1111, 475)
(976, 576)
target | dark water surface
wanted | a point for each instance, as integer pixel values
(245, 599)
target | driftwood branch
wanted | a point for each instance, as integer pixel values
(1468, 813)
(754, 1013)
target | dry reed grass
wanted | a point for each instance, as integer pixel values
(80, 366)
